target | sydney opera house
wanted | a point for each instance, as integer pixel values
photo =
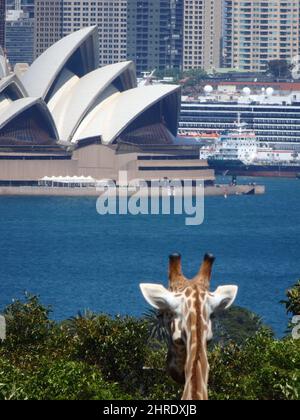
(66, 117)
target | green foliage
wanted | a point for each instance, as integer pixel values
(175, 73)
(28, 324)
(279, 68)
(157, 384)
(235, 325)
(292, 304)
(192, 77)
(118, 346)
(261, 369)
(98, 357)
(55, 380)
(293, 300)
(157, 329)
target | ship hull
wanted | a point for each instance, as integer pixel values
(238, 168)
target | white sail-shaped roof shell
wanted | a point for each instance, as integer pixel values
(43, 73)
(11, 89)
(85, 93)
(12, 82)
(77, 101)
(16, 108)
(110, 118)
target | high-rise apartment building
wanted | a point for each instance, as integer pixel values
(258, 31)
(58, 18)
(2, 23)
(202, 34)
(111, 18)
(149, 32)
(155, 34)
(48, 24)
(176, 34)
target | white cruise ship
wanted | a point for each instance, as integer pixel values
(272, 112)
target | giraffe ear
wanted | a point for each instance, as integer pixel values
(159, 297)
(222, 298)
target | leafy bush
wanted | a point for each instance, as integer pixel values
(156, 382)
(292, 304)
(99, 357)
(28, 324)
(235, 324)
(55, 380)
(293, 300)
(261, 369)
(117, 346)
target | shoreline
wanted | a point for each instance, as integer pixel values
(217, 190)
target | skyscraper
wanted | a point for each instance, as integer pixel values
(149, 32)
(111, 18)
(19, 31)
(202, 34)
(26, 6)
(155, 34)
(58, 18)
(48, 24)
(176, 34)
(19, 37)
(2, 23)
(259, 31)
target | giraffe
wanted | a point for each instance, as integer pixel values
(186, 307)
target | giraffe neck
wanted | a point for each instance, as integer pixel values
(196, 367)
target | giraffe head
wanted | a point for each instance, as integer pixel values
(186, 307)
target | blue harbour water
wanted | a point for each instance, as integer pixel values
(62, 250)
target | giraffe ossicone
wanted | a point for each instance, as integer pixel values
(186, 307)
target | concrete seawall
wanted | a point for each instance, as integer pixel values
(235, 190)
(217, 190)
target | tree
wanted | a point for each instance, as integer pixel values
(235, 325)
(292, 303)
(279, 68)
(194, 77)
